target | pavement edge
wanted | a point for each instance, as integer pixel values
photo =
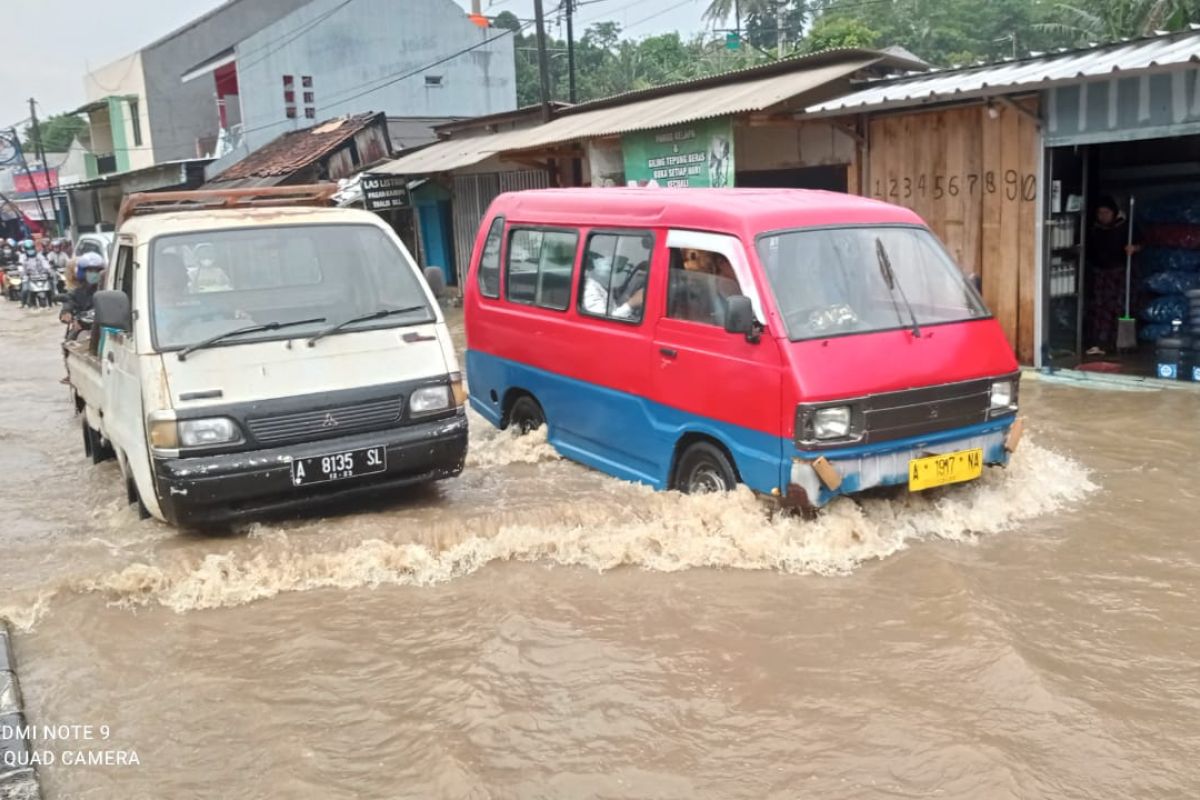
(18, 778)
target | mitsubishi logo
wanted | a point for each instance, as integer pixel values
(330, 421)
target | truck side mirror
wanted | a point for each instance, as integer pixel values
(112, 310)
(739, 317)
(436, 280)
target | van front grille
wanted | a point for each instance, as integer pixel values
(326, 422)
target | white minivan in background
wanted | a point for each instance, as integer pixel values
(260, 355)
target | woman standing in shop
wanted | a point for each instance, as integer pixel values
(1108, 247)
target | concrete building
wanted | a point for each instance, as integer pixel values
(140, 113)
(333, 58)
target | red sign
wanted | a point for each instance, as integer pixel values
(43, 180)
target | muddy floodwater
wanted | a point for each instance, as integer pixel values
(534, 629)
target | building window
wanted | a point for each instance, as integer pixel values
(433, 80)
(310, 113)
(615, 272)
(489, 263)
(288, 81)
(135, 119)
(308, 98)
(540, 264)
(289, 96)
(291, 112)
(306, 81)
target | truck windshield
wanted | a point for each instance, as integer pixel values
(210, 282)
(836, 281)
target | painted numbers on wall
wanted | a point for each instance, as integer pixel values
(1011, 184)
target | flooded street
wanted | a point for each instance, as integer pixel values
(536, 629)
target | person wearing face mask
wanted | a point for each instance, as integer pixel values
(89, 268)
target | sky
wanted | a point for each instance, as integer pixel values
(82, 34)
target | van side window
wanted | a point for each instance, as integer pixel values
(540, 264)
(698, 284)
(615, 271)
(489, 261)
(123, 280)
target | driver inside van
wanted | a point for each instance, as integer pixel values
(700, 282)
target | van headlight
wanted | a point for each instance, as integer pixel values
(831, 423)
(429, 400)
(1002, 396)
(207, 432)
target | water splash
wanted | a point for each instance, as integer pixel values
(659, 531)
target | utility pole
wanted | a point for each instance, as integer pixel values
(737, 19)
(779, 28)
(25, 166)
(41, 154)
(543, 64)
(569, 5)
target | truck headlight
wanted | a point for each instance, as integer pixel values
(831, 423)
(207, 432)
(429, 400)
(1002, 396)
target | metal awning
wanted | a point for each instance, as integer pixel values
(210, 65)
(647, 114)
(1030, 74)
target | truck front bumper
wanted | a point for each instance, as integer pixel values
(218, 489)
(887, 464)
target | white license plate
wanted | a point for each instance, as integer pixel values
(339, 466)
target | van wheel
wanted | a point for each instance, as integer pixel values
(704, 469)
(87, 439)
(526, 415)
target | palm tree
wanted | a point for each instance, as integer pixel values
(1111, 20)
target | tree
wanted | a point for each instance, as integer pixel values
(57, 130)
(834, 32)
(1110, 20)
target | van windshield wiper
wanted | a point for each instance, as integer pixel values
(889, 277)
(379, 314)
(270, 326)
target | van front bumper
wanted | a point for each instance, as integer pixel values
(217, 489)
(887, 464)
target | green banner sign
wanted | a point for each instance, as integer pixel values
(695, 155)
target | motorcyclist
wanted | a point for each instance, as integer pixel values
(33, 265)
(58, 261)
(88, 270)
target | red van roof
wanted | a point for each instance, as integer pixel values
(738, 211)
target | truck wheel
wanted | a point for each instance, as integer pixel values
(526, 415)
(703, 469)
(135, 498)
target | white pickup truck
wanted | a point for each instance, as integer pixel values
(258, 352)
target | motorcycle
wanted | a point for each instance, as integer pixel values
(12, 283)
(39, 292)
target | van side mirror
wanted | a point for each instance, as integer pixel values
(739, 317)
(436, 280)
(112, 310)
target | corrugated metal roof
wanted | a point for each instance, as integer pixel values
(1025, 74)
(296, 150)
(654, 112)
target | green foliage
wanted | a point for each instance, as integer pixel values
(57, 132)
(943, 32)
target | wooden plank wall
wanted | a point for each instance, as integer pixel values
(974, 180)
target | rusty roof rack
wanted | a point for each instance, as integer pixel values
(143, 203)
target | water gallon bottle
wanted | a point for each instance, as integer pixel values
(1169, 354)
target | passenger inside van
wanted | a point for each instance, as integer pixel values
(597, 279)
(699, 283)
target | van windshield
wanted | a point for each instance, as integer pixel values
(210, 282)
(837, 281)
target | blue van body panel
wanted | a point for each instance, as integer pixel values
(633, 438)
(619, 433)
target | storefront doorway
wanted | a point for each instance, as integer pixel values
(1151, 188)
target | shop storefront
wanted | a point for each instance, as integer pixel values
(1010, 163)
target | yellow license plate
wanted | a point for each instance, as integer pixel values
(931, 471)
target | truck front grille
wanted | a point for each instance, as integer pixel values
(326, 422)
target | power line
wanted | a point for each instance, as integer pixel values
(287, 39)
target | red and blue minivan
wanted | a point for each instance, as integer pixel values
(807, 344)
